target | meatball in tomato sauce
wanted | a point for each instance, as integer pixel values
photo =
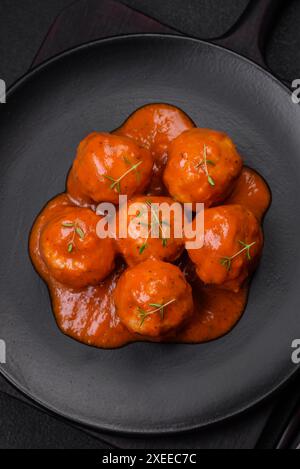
(203, 167)
(72, 251)
(154, 227)
(233, 243)
(153, 298)
(155, 126)
(107, 166)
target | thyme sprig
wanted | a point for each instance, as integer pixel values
(204, 165)
(116, 183)
(227, 261)
(135, 168)
(159, 308)
(157, 222)
(145, 243)
(160, 224)
(76, 230)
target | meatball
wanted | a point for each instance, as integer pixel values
(107, 166)
(151, 229)
(233, 243)
(153, 298)
(203, 166)
(72, 251)
(154, 126)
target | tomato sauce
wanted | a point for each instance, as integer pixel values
(89, 315)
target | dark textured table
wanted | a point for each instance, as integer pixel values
(23, 26)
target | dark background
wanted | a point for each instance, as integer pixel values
(23, 26)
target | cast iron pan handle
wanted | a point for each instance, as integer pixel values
(249, 35)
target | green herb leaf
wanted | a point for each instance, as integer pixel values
(142, 248)
(247, 249)
(109, 178)
(143, 315)
(116, 183)
(227, 261)
(80, 232)
(159, 308)
(211, 181)
(204, 163)
(68, 225)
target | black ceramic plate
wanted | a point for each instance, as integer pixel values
(147, 388)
